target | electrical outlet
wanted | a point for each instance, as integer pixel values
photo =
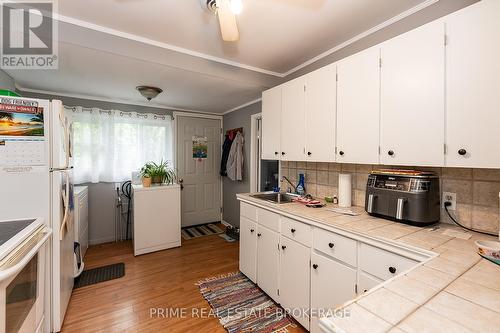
(451, 197)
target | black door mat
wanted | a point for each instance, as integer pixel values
(100, 274)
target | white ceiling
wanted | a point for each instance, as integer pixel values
(107, 47)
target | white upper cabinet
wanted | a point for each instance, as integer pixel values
(473, 82)
(320, 99)
(271, 123)
(292, 121)
(412, 98)
(358, 108)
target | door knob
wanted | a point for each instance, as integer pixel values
(283, 153)
(391, 152)
(251, 230)
(392, 270)
(331, 245)
(258, 235)
(276, 153)
(309, 153)
(462, 152)
(181, 182)
(283, 247)
(341, 153)
(293, 230)
(315, 266)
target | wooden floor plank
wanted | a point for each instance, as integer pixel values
(164, 279)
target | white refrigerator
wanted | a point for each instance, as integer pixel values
(36, 181)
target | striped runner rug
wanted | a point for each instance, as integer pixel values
(201, 230)
(242, 307)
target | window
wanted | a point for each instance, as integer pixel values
(109, 145)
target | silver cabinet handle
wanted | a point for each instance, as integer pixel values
(400, 208)
(369, 207)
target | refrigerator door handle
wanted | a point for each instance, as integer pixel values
(62, 230)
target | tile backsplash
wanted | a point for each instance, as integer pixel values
(477, 189)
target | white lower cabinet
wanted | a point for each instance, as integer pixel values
(367, 282)
(332, 283)
(248, 248)
(268, 261)
(295, 279)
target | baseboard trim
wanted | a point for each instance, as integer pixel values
(101, 240)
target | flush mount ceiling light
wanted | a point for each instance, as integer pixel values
(226, 11)
(149, 92)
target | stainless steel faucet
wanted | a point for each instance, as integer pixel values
(283, 178)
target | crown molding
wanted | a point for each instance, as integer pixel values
(242, 106)
(364, 34)
(110, 100)
(126, 35)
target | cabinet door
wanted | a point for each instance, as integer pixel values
(412, 98)
(248, 248)
(268, 261)
(292, 121)
(294, 279)
(271, 123)
(358, 108)
(332, 284)
(473, 81)
(367, 282)
(320, 99)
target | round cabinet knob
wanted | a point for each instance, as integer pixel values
(283, 247)
(283, 153)
(392, 270)
(293, 230)
(252, 230)
(391, 152)
(331, 245)
(462, 152)
(341, 153)
(309, 153)
(276, 153)
(258, 235)
(315, 266)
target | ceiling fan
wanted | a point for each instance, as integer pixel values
(226, 11)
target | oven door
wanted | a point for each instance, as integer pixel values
(22, 285)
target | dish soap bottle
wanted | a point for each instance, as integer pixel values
(301, 189)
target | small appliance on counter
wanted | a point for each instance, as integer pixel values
(407, 196)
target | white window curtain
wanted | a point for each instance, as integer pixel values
(109, 144)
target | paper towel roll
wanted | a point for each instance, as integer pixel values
(345, 190)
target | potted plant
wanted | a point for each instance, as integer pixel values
(159, 173)
(146, 172)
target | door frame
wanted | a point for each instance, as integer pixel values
(175, 114)
(255, 147)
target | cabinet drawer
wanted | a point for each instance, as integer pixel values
(296, 230)
(381, 263)
(248, 211)
(268, 219)
(337, 246)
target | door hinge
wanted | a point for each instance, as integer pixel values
(278, 292)
(445, 149)
(379, 62)
(356, 288)
(445, 39)
(379, 150)
(337, 77)
(304, 87)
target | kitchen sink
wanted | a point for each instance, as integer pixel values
(274, 197)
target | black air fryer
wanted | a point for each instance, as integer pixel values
(406, 196)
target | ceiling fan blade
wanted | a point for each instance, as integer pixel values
(227, 21)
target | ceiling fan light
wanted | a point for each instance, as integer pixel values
(236, 6)
(227, 21)
(149, 92)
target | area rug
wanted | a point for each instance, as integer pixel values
(100, 274)
(201, 230)
(242, 307)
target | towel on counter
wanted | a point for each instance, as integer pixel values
(235, 159)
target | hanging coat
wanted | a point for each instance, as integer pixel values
(226, 147)
(235, 160)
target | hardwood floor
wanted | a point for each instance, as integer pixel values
(163, 280)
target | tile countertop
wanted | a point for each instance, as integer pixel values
(454, 291)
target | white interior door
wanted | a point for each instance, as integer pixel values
(201, 182)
